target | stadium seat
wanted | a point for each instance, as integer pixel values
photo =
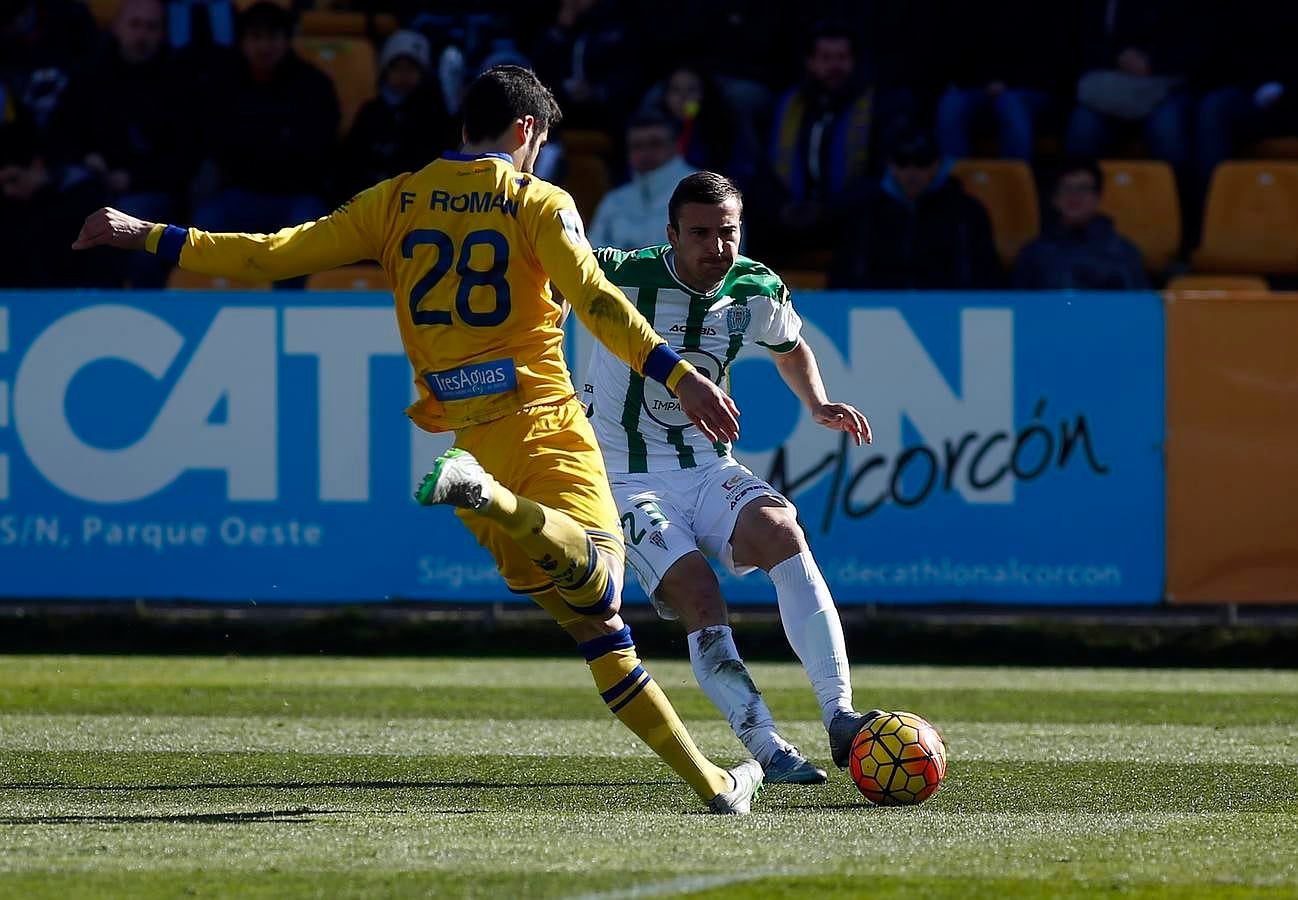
(349, 278)
(1006, 188)
(1252, 283)
(1140, 197)
(1251, 221)
(587, 177)
(103, 11)
(343, 23)
(182, 280)
(804, 279)
(350, 63)
(1275, 148)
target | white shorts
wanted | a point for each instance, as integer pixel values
(666, 515)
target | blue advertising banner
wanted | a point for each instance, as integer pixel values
(251, 447)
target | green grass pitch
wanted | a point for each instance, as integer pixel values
(342, 777)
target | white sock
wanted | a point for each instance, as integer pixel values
(725, 679)
(814, 631)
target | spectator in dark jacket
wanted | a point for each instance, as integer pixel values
(588, 57)
(119, 121)
(1080, 250)
(406, 126)
(1254, 82)
(43, 47)
(1138, 56)
(998, 74)
(272, 130)
(917, 229)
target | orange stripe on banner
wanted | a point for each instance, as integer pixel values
(1232, 447)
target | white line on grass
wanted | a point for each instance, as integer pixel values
(684, 885)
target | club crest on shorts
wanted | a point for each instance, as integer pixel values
(737, 319)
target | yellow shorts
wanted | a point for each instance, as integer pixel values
(547, 454)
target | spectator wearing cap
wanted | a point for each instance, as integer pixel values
(272, 131)
(917, 229)
(1080, 249)
(406, 126)
(635, 214)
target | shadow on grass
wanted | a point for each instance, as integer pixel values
(300, 814)
(309, 785)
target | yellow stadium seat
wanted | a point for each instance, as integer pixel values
(342, 23)
(104, 11)
(1251, 221)
(1006, 188)
(181, 280)
(349, 278)
(1252, 283)
(350, 63)
(804, 279)
(1275, 148)
(1140, 197)
(587, 177)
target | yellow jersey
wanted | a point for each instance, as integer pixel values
(470, 247)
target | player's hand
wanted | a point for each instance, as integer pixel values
(844, 417)
(708, 407)
(110, 227)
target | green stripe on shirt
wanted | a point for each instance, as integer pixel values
(646, 301)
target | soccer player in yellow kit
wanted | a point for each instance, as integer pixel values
(471, 244)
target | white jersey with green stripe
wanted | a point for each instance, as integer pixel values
(640, 425)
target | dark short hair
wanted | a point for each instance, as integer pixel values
(828, 29)
(708, 188)
(503, 94)
(652, 118)
(913, 146)
(1074, 164)
(265, 16)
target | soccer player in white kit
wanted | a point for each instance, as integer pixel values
(681, 496)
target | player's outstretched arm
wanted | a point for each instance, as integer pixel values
(801, 373)
(344, 236)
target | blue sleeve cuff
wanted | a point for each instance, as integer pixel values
(660, 362)
(171, 242)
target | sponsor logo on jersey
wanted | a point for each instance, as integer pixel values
(745, 492)
(681, 329)
(658, 540)
(662, 405)
(738, 319)
(572, 227)
(732, 482)
(477, 380)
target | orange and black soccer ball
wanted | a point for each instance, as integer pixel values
(898, 759)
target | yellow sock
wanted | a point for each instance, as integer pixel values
(558, 544)
(636, 699)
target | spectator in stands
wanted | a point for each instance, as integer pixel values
(1137, 60)
(710, 135)
(1254, 77)
(996, 73)
(820, 146)
(587, 57)
(1080, 249)
(43, 46)
(406, 126)
(917, 228)
(119, 121)
(632, 216)
(271, 130)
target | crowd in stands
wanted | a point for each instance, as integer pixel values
(849, 125)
